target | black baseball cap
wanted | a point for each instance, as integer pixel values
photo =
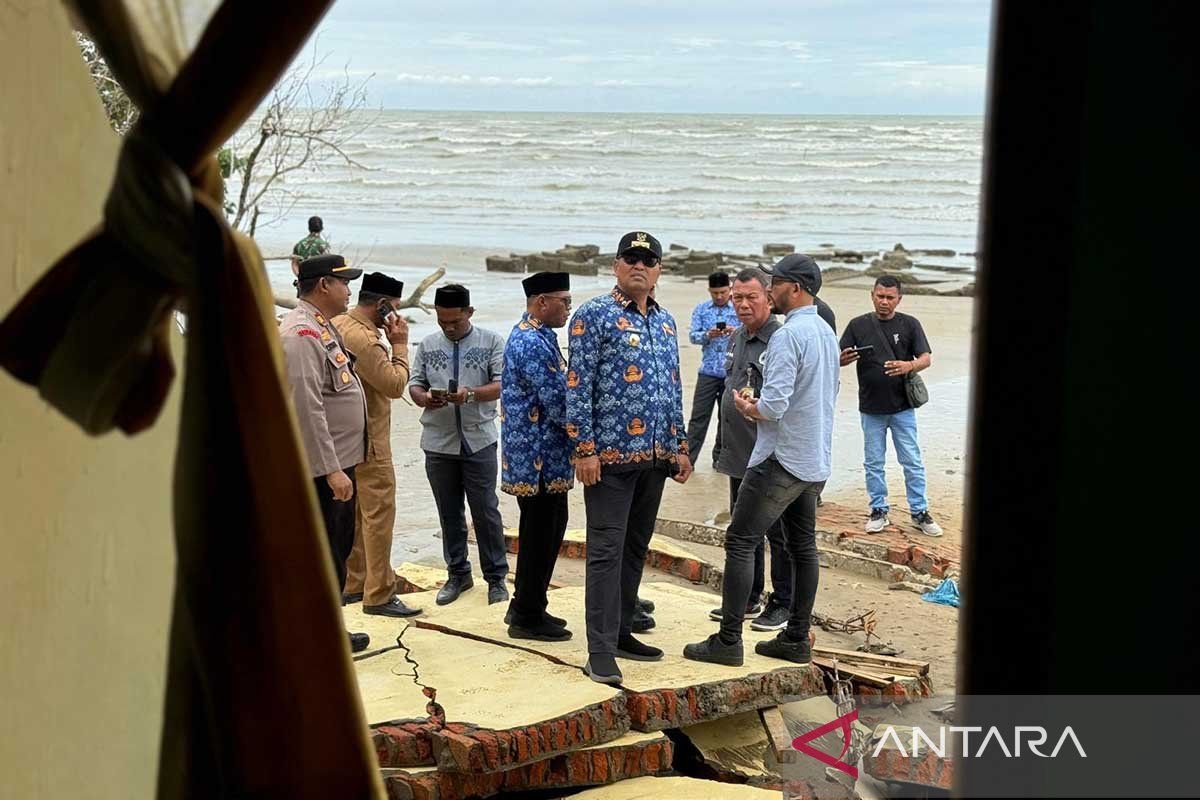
(330, 266)
(798, 268)
(639, 240)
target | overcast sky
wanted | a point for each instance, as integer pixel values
(792, 56)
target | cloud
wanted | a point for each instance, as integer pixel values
(696, 42)
(470, 80)
(775, 44)
(469, 41)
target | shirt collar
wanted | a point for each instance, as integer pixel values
(358, 314)
(626, 301)
(809, 309)
(533, 321)
(770, 325)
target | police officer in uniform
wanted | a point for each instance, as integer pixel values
(330, 405)
(369, 573)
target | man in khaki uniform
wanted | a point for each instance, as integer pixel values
(384, 376)
(328, 397)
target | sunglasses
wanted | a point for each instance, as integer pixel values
(633, 258)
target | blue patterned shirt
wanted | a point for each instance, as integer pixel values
(533, 419)
(624, 397)
(704, 318)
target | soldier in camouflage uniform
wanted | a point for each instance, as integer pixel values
(312, 245)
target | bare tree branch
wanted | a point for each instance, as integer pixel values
(305, 125)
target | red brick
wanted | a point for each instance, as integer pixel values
(897, 555)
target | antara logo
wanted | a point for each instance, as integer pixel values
(844, 723)
(1035, 736)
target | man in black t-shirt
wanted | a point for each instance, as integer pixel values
(897, 347)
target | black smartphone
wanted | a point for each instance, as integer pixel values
(866, 348)
(453, 387)
(385, 310)
(720, 326)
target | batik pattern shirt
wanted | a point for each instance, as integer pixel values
(704, 318)
(624, 396)
(533, 413)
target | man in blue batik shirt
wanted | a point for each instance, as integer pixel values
(713, 323)
(625, 420)
(535, 452)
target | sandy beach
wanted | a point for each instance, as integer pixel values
(499, 302)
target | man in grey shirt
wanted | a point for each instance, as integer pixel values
(456, 379)
(744, 373)
(788, 467)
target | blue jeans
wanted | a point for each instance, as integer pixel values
(904, 435)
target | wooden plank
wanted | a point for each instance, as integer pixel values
(848, 671)
(777, 734)
(899, 665)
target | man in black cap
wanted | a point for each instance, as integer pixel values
(787, 469)
(536, 453)
(625, 421)
(713, 322)
(328, 397)
(369, 573)
(456, 379)
(312, 245)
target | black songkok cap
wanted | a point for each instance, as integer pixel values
(543, 282)
(452, 296)
(378, 283)
(715, 281)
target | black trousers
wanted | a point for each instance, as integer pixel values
(621, 510)
(781, 564)
(453, 478)
(769, 493)
(339, 523)
(706, 398)
(542, 527)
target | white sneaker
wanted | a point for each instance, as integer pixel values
(926, 524)
(878, 521)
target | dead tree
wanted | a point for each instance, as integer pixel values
(300, 128)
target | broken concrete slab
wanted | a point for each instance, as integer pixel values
(660, 695)
(493, 720)
(676, 788)
(664, 554)
(633, 755)
(412, 578)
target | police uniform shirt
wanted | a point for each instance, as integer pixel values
(328, 397)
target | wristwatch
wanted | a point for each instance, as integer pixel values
(470, 396)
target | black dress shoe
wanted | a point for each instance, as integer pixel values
(456, 585)
(646, 605)
(631, 648)
(642, 621)
(553, 620)
(542, 632)
(352, 597)
(359, 642)
(602, 668)
(713, 651)
(392, 608)
(782, 646)
(497, 593)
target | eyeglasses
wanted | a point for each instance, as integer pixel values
(633, 258)
(566, 301)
